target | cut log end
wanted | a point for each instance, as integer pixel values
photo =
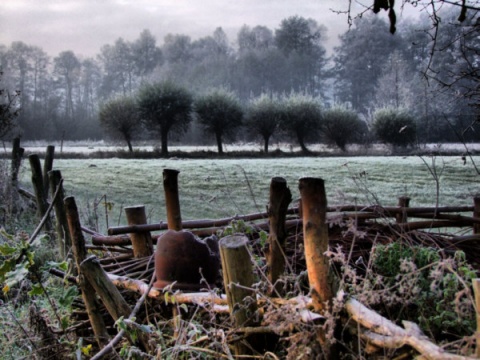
(233, 241)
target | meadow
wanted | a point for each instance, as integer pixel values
(216, 188)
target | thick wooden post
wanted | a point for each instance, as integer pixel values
(280, 198)
(64, 240)
(476, 214)
(238, 279)
(403, 202)
(172, 202)
(47, 167)
(141, 241)
(315, 234)
(88, 292)
(39, 188)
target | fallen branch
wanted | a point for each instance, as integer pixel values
(384, 333)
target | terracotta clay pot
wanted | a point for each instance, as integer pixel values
(180, 257)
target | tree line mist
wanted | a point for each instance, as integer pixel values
(370, 69)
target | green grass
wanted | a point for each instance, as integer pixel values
(215, 188)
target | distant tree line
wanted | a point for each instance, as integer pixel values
(275, 83)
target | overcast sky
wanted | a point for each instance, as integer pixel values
(85, 25)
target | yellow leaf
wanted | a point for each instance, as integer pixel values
(86, 349)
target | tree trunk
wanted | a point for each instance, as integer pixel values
(164, 140)
(129, 143)
(265, 144)
(301, 142)
(218, 137)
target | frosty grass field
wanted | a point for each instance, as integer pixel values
(214, 188)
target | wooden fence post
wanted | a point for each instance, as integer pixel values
(315, 234)
(39, 189)
(172, 202)
(280, 198)
(315, 238)
(403, 202)
(238, 279)
(88, 292)
(476, 213)
(47, 167)
(64, 240)
(141, 241)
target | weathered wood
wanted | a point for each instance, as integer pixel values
(39, 188)
(403, 203)
(172, 202)
(116, 305)
(119, 240)
(109, 294)
(47, 167)
(238, 280)
(141, 241)
(476, 214)
(476, 292)
(384, 333)
(280, 198)
(64, 240)
(88, 292)
(315, 234)
(431, 224)
(365, 212)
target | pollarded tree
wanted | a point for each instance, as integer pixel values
(220, 113)
(342, 126)
(302, 118)
(119, 117)
(163, 107)
(263, 117)
(394, 126)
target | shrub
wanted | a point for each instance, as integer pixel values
(220, 113)
(395, 127)
(342, 126)
(264, 116)
(302, 118)
(163, 107)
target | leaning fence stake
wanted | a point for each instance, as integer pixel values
(63, 235)
(48, 166)
(172, 202)
(88, 293)
(39, 188)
